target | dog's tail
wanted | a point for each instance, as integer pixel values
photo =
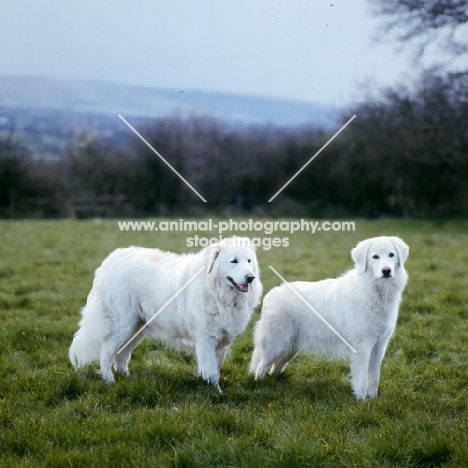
(86, 345)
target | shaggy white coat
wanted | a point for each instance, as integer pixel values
(133, 283)
(362, 305)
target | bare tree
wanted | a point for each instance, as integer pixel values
(426, 22)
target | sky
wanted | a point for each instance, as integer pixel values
(306, 50)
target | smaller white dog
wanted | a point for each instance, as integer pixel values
(362, 305)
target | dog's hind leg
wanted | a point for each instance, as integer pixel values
(108, 352)
(275, 345)
(263, 356)
(280, 364)
(270, 355)
(257, 359)
(260, 370)
(122, 359)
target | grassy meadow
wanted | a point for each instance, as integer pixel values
(164, 416)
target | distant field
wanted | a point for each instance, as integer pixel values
(162, 415)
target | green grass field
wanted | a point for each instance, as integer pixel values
(52, 416)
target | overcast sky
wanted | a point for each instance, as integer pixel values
(310, 50)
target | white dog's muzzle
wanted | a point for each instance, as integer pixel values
(386, 272)
(242, 287)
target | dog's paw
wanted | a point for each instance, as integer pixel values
(212, 380)
(107, 377)
(361, 396)
(123, 372)
(215, 383)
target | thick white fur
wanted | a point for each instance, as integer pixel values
(132, 284)
(361, 305)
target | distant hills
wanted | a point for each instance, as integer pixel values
(87, 97)
(46, 114)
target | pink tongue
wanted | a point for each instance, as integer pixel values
(243, 287)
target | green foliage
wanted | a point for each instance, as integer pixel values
(162, 415)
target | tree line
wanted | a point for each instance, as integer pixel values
(405, 154)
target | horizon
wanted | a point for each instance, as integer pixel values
(322, 53)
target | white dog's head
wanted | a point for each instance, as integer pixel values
(380, 256)
(233, 262)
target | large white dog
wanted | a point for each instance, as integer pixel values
(134, 283)
(362, 306)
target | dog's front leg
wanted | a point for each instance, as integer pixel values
(221, 352)
(359, 367)
(373, 372)
(207, 362)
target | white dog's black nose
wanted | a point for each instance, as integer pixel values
(386, 271)
(250, 278)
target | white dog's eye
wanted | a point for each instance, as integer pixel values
(234, 261)
(249, 260)
(375, 256)
(391, 254)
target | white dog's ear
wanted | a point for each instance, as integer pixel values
(359, 255)
(402, 249)
(211, 254)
